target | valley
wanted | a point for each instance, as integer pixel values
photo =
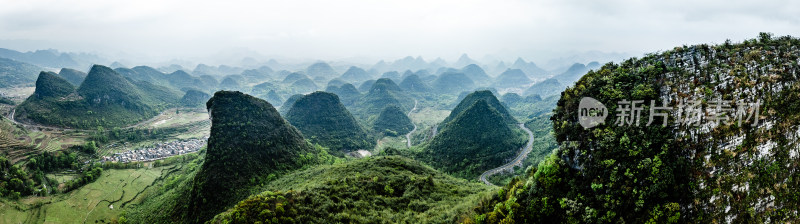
(407, 141)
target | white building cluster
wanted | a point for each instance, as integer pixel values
(159, 151)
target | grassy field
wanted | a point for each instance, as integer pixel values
(89, 204)
(173, 118)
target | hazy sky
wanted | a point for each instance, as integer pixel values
(333, 30)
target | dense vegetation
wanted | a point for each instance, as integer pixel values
(384, 93)
(347, 93)
(372, 190)
(194, 98)
(414, 84)
(50, 86)
(476, 96)
(249, 144)
(73, 76)
(324, 120)
(105, 99)
(676, 173)
(477, 139)
(392, 122)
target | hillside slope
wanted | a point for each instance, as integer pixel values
(476, 140)
(689, 171)
(322, 118)
(372, 190)
(249, 142)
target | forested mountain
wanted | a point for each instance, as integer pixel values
(689, 170)
(322, 119)
(273, 96)
(512, 78)
(414, 84)
(180, 80)
(355, 74)
(73, 76)
(393, 122)
(366, 85)
(286, 105)
(321, 69)
(249, 142)
(545, 88)
(293, 77)
(347, 93)
(473, 97)
(529, 68)
(452, 82)
(476, 73)
(475, 140)
(335, 82)
(383, 93)
(304, 86)
(229, 83)
(194, 98)
(50, 86)
(17, 73)
(393, 75)
(45, 58)
(575, 72)
(105, 98)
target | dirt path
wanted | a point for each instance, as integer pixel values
(516, 162)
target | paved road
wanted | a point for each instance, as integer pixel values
(408, 136)
(516, 162)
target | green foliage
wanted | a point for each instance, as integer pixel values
(371, 190)
(414, 84)
(167, 200)
(476, 96)
(673, 174)
(50, 86)
(393, 122)
(72, 76)
(249, 141)
(452, 82)
(104, 99)
(51, 161)
(347, 93)
(325, 121)
(477, 139)
(194, 98)
(7, 101)
(382, 94)
(289, 103)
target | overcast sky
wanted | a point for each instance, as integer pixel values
(335, 30)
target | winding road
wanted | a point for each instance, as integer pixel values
(516, 162)
(408, 136)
